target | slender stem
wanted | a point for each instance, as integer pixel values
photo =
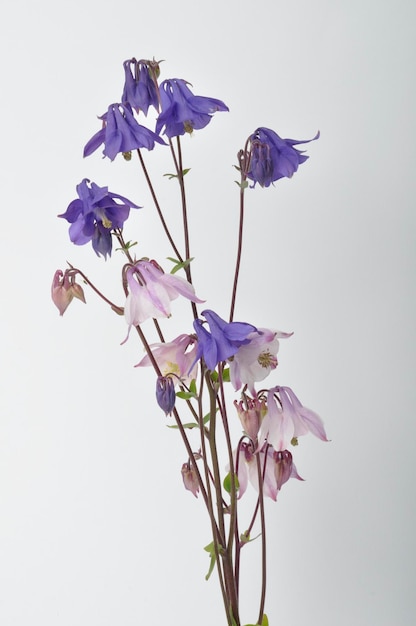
(179, 171)
(261, 472)
(239, 248)
(158, 209)
(118, 309)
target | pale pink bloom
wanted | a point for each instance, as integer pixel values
(276, 468)
(175, 358)
(255, 360)
(286, 419)
(251, 412)
(65, 289)
(151, 292)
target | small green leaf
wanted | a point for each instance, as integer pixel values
(189, 425)
(227, 483)
(185, 395)
(179, 264)
(226, 375)
(211, 551)
(184, 173)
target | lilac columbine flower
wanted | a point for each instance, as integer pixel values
(165, 393)
(223, 341)
(255, 359)
(175, 358)
(121, 133)
(182, 112)
(151, 292)
(287, 419)
(94, 214)
(65, 289)
(140, 90)
(272, 157)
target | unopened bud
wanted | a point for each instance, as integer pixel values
(190, 479)
(165, 393)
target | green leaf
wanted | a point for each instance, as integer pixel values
(190, 425)
(179, 264)
(184, 173)
(226, 375)
(264, 622)
(211, 551)
(227, 483)
(185, 395)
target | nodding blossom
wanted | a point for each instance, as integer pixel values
(151, 292)
(175, 358)
(272, 157)
(94, 215)
(182, 112)
(140, 90)
(287, 419)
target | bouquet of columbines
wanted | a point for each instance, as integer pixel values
(199, 372)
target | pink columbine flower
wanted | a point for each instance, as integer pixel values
(255, 360)
(287, 418)
(251, 412)
(151, 292)
(175, 358)
(65, 289)
(276, 467)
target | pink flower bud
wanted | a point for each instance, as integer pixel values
(190, 479)
(64, 289)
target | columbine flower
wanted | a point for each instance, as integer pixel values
(121, 133)
(65, 289)
(95, 214)
(223, 341)
(255, 359)
(287, 419)
(182, 112)
(165, 393)
(251, 412)
(140, 91)
(151, 292)
(272, 157)
(276, 467)
(190, 479)
(175, 358)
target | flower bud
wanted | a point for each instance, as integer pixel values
(64, 289)
(165, 393)
(189, 479)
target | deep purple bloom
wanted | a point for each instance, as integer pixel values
(140, 90)
(223, 341)
(165, 393)
(272, 157)
(182, 112)
(95, 214)
(121, 133)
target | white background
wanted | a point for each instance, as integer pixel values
(95, 526)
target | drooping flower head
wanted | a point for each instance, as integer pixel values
(255, 359)
(251, 412)
(151, 292)
(223, 340)
(182, 112)
(140, 90)
(121, 133)
(272, 157)
(64, 289)
(287, 419)
(190, 479)
(176, 358)
(276, 468)
(94, 214)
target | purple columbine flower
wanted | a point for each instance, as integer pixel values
(94, 214)
(165, 393)
(140, 90)
(182, 112)
(223, 341)
(272, 157)
(121, 133)
(288, 419)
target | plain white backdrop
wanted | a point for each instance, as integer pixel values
(95, 526)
